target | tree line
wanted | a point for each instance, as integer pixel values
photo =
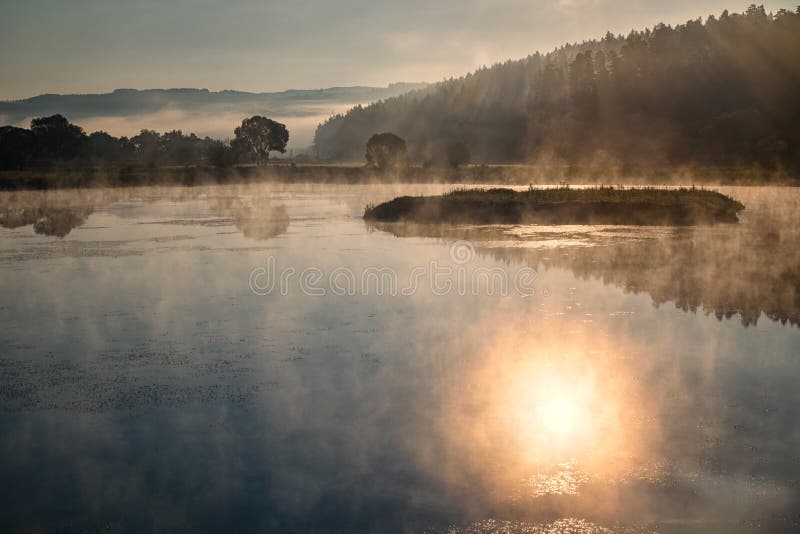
(721, 92)
(54, 140)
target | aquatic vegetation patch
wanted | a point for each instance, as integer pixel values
(564, 205)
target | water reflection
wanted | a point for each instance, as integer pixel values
(551, 416)
(256, 218)
(155, 392)
(746, 270)
(562, 526)
(57, 213)
(568, 420)
(51, 214)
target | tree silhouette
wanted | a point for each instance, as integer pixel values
(149, 147)
(386, 151)
(53, 139)
(457, 154)
(104, 148)
(261, 136)
(17, 147)
(223, 156)
(57, 139)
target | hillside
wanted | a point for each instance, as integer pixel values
(721, 92)
(123, 102)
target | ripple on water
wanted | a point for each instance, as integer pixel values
(129, 380)
(565, 479)
(562, 526)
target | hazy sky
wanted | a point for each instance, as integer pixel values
(75, 46)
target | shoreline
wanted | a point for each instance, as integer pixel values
(513, 175)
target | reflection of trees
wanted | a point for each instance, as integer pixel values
(728, 271)
(48, 215)
(57, 213)
(724, 278)
(256, 218)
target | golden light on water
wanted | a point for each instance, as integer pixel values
(550, 415)
(560, 415)
(551, 407)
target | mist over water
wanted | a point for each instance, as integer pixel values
(554, 291)
(647, 385)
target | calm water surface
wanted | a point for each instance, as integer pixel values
(646, 380)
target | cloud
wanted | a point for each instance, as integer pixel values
(47, 46)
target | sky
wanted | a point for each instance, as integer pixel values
(90, 46)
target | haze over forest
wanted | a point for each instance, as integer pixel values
(203, 112)
(719, 92)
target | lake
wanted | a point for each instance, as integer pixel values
(261, 359)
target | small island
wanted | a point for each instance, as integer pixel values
(646, 206)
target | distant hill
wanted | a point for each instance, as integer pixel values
(721, 92)
(126, 111)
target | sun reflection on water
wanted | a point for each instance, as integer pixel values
(549, 403)
(550, 417)
(559, 414)
(562, 526)
(566, 479)
(556, 409)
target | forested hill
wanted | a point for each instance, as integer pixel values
(721, 92)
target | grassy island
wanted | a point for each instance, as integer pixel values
(563, 205)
